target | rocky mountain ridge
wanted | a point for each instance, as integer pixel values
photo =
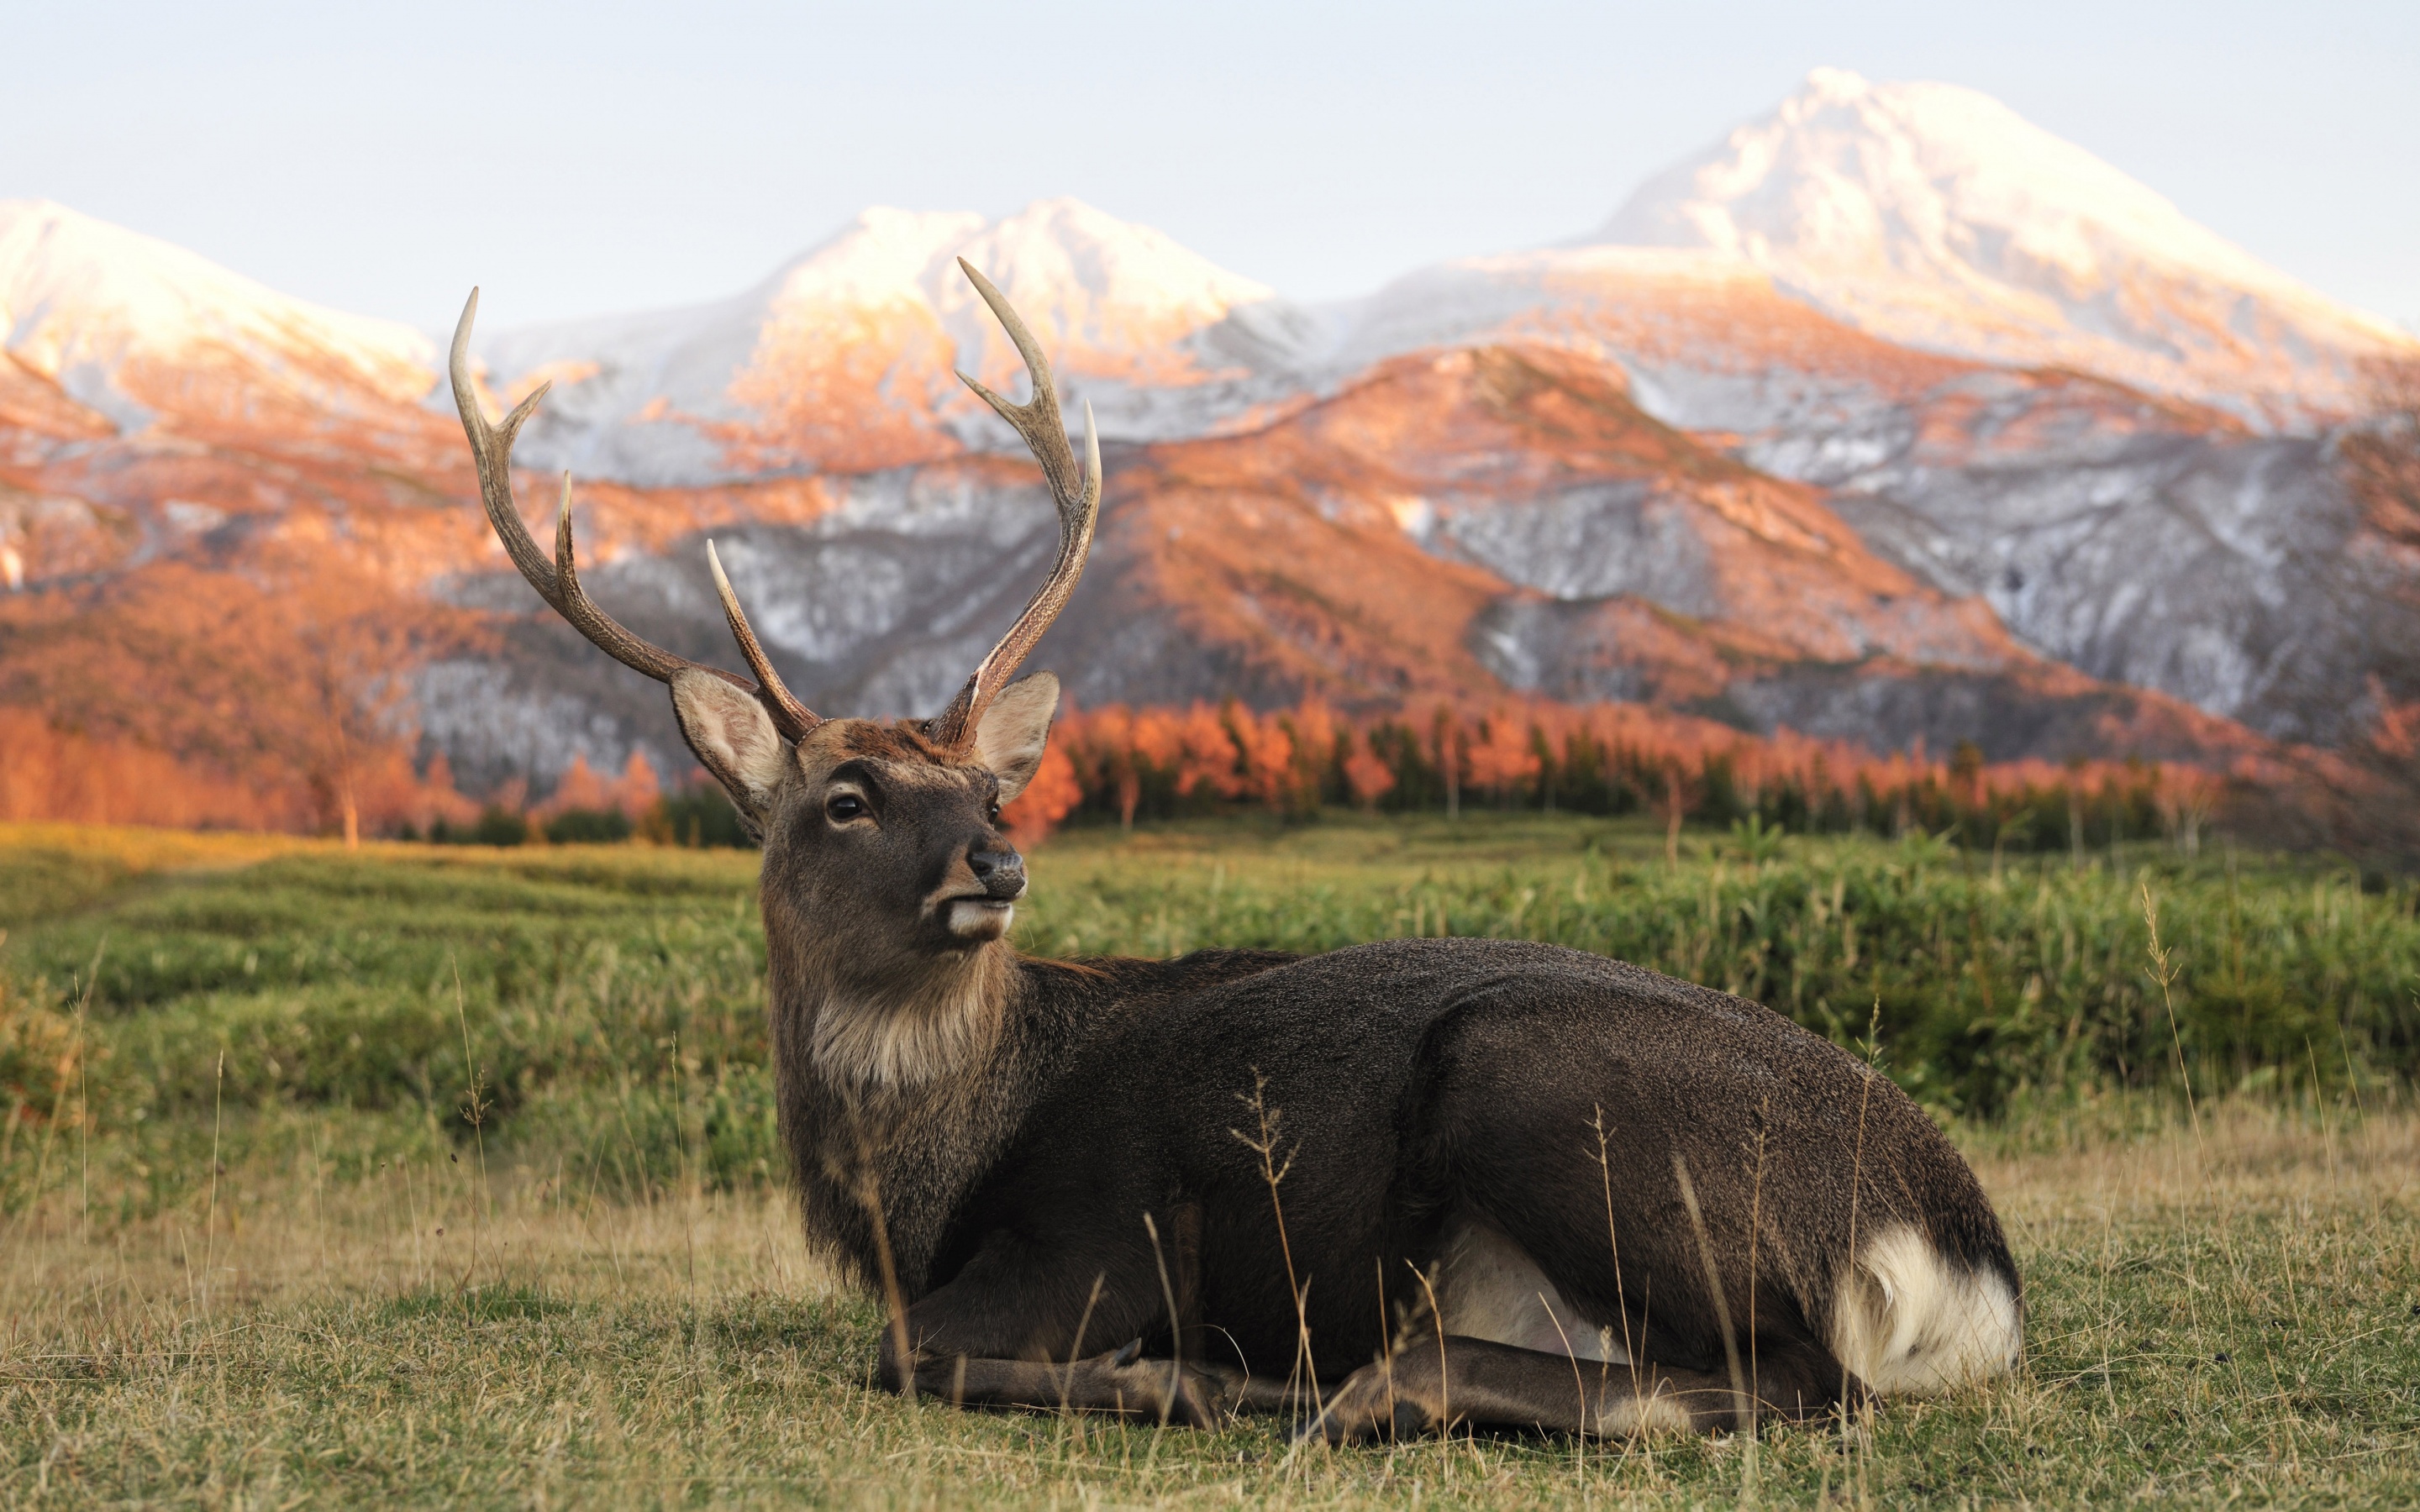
(1693, 476)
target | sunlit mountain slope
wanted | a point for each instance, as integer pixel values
(1936, 217)
(1914, 424)
(841, 361)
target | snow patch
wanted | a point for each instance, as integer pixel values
(90, 304)
(860, 334)
(1937, 216)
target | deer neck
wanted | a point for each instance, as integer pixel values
(902, 1029)
(898, 1089)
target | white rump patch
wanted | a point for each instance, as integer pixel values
(1487, 1288)
(1912, 1322)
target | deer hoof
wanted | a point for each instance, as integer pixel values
(1181, 1395)
(1368, 1406)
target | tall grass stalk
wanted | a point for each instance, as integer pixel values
(1176, 1322)
(211, 1212)
(1302, 1378)
(2163, 971)
(1742, 1401)
(474, 1112)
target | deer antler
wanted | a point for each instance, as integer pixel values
(1077, 494)
(558, 582)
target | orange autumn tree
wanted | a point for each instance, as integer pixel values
(1265, 751)
(1207, 760)
(1503, 757)
(1051, 797)
(1367, 777)
(1600, 759)
(271, 697)
(1118, 753)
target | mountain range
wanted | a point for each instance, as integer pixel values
(1890, 418)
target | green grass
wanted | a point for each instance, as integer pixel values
(1989, 981)
(252, 1251)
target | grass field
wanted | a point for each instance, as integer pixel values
(252, 1251)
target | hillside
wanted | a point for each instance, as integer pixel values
(1718, 476)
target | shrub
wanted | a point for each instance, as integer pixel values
(697, 816)
(588, 826)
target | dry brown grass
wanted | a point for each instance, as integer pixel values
(2227, 1318)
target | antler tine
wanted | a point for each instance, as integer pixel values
(572, 602)
(491, 449)
(558, 582)
(1077, 493)
(794, 718)
(1037, 418)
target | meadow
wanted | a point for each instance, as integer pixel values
(447, 1174)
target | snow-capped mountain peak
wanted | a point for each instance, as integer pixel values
(113, 315)
(884, 253)
(1093, 280)
(1935, 216)
(842, 358)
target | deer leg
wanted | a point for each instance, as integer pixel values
(1430, 1385)
(1241, 1393)
(1120, 1381)
(1008, 1331)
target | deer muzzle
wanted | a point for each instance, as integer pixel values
(1001, 873)
(986, 915)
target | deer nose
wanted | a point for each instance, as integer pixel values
(1001, 872)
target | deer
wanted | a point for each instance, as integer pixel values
(1391, 1189)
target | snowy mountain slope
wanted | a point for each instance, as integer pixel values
(1453, 526)
(843, 360)
(2233, 571)
(1709, 342)
(2143, 541)
(1936, 217)
(137, 329)
(1920, 216)
(2146, 541)
(1679, 473)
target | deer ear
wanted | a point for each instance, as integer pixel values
(1015, 728)
(734, 738)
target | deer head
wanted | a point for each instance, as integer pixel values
(888, 885)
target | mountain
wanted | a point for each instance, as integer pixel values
(841, 361)
(1453, 526)
(1683, 475)
(1937, 218)
(134, 328)
(1931, 218)
(2144, 542)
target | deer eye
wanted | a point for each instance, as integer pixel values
(842, 806)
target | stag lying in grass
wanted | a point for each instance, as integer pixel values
(1399, 1185)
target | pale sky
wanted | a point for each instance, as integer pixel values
(600, 157)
